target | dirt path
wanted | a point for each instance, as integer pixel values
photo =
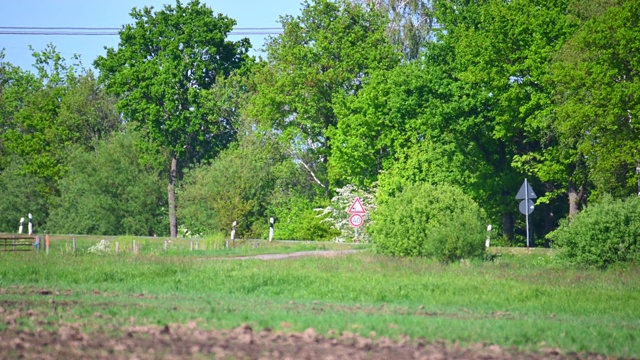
(325, 253)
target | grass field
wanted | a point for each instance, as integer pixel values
(523, 299)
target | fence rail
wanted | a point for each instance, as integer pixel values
(17, 243)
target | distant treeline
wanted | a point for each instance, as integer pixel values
(182, 131)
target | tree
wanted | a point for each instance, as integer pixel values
(324, 54)
(499, 99)
(164, 65)
(107, 191)
(20, 196)
(597, 74)
(410, 23)
(235, 186)
(46, 113)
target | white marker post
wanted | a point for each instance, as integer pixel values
(233, 233)
(30, 224)
(271, 220)
(20, 227)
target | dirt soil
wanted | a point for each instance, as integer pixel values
(188, 341)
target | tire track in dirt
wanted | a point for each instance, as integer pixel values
(324, 253)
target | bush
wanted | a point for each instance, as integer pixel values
(297, 220)
(433, 221)
(109, 192)
(602, 234)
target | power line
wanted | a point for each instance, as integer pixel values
(108, 31)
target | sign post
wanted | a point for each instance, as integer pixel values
(357, 212)
(526, 194)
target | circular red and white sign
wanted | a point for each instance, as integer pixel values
(356, 220)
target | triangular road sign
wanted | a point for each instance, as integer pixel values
(525, 190)
(357, 208)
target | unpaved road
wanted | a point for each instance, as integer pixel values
(326, 253)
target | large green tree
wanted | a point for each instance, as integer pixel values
(162, 69)
(499, 99)
(464, 111)
(107, 191)
(47, 112)
(323, 55)
(210, 201)
(597, 78)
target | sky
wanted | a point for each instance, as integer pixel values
(115, 14)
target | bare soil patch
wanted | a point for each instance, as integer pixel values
(178, 341)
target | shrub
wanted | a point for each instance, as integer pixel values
(602, 234)
(433, 221)
(297, 220)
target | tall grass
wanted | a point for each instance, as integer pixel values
(523, 300)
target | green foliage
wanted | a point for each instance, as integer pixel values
(597, 81)
(434, 221)
(234, 187)
(603, 234)
(109, 192)
(163, 70)
(296, 219)
(322, 56)
(21, 196)
(44, 116)
(164, 63)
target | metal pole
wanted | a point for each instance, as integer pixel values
(526, 199)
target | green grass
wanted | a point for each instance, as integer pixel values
(522, 299)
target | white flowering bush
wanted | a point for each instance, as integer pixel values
(183, 232)
(100, 248)
(336, 214)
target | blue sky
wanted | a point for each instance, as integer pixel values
(115, 13)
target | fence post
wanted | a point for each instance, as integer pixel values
(117, 248)
(74, 246)
(47, 242)
(135, 248)
(166, 245)
(197, 245)
(191, 245)
(270, 229)
(233, 233)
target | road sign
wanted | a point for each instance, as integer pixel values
(356, 220)
(526, 207)
(526, 192)
(357, 208)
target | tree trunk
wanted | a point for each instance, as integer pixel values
(507, 225)
(576, 199)
(173, 219)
